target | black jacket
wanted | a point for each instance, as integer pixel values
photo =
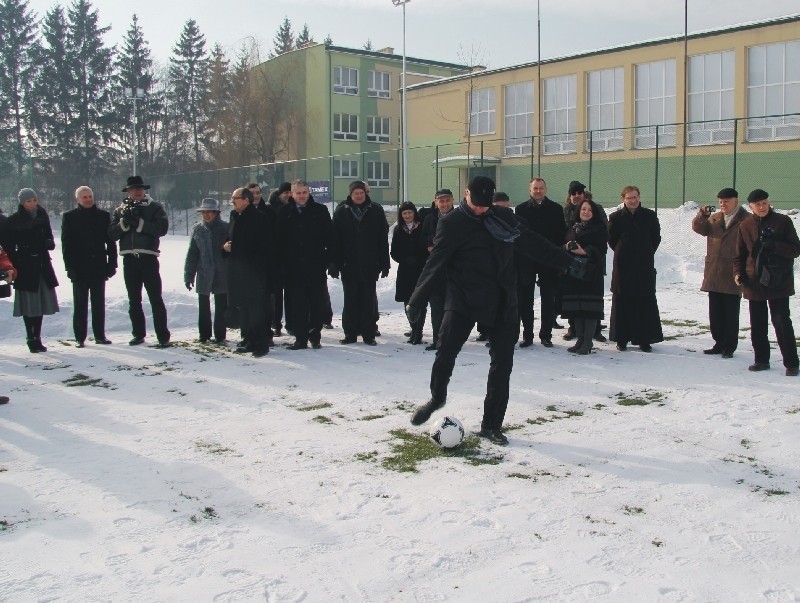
(151, 224)
(545, 219)
(480, 270)
(305, 238)
(361, 247)
(409, 251)
(28, 240)
(252, 255)
(634, 237)
(89, 253)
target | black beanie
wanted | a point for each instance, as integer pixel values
(285, 187)
(357, 184)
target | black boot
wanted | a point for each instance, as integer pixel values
(424, 412)
(37, 333)
(587, 331)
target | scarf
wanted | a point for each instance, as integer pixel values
(500, 230)
(359, 210)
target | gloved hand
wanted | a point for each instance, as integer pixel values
(579, 268)
(413, 313)
(189, 286)
(333, 270)
(384, 273)
(129, 221)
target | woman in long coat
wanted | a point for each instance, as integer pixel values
(409, 251)
(634, 234)
(582, 300)
(27, 239)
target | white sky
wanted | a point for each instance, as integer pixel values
(495, 34)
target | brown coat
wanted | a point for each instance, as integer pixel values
(720, 250)
(781, 264)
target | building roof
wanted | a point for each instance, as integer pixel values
(395, 57)
(611, 49)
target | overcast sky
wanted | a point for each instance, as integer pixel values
(494, 34)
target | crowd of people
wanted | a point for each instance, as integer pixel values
(478, 262)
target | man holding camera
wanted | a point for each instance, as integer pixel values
(764, 267)
(138, 224)
(721, 230)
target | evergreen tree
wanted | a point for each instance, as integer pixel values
(284, 39)
(304, 37)
(189, 74)
(328, 41)
(368, 45)
(218, 105)
(18, 34)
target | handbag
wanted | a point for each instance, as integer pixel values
(5, 290)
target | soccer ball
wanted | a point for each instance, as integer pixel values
(447, 432)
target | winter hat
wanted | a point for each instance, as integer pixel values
(727, 193)
(357, 184)
(26, 194)
(481, 191)
(757, 195)
(208, 204)
(576, 187)
(135, 182)
(500, 196)
(442, 192)
(285, 187)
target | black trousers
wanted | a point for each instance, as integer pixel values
(358, 314)
(327, 309)
(204, 315)
(253, 318)
(81, 293)
(547, 294)
(437, 314)
(781, 321)
(307, 308)
(454, 332)
(142, 271)
(723, 319)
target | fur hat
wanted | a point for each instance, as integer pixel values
(26, 194)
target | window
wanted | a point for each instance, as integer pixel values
(773, 90)
(379, 84)
(378, 174)
(345, 127)
(711, 98)
(378, 129)
(518, 118)
(604, 108)
(654, 102)
(559, 112)
(481, 112)
(344, 168)
(345, 80)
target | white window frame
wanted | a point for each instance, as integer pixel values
(655, 104)
(379, 129)
(379, 84)
(716, 71)
(518, 101)
(559, 113)
(345, 126)
(345, 80)
(345, 168)
(482, 112)
(379, 174)
(605, 106)
(773, 90)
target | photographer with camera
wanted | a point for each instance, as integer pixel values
(721, 229)
(138, 224)
(764, 266)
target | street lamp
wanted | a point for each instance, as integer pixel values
(134, 95)
(404, 103)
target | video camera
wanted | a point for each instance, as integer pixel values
(129, 207)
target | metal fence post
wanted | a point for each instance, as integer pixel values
(735, 148)
(655, 183)
(591, 156)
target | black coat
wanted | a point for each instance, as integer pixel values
(634, 237)
(151, 224)
(409, 251)
(547, 220)
(251, 259)
(304, 240)
(90, 255)
(584, 298)
(480, 269)
(28, 240)
(361, 248)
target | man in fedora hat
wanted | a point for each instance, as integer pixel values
(205, 269)
(138, 224)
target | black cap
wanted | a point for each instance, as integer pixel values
(285, 187)
(443, 191)
(727, 193)
(357, 184)
(135, 182)
(500, 196)
(576, 187)
(481, 191)
(757, 195)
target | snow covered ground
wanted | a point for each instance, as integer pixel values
(192, 474)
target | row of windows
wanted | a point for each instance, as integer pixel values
(377, 171)
(345, 127)
(345, 81)
(773, 88)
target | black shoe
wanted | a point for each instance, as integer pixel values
(569, 335)
(377, 333)
(424, 412)
(32, 347)
(203, 339)
(80, 344)
(727, 354)
(548, 343)
(574, 348)
(600, 337)
(102, 341)
(646, 347)
(407, 334)
(557, 325)
(4, 399)
(482, 337)
(162, 345)
(260, 352)
(431, 347)
(495, 436)
(758, 366)
(792, 371)
(622, 347)
(297, 346)
(327, 325)
(526, 343)
(220, 341)
(276, 332)
(242, 349)
(316, 345)
(370, 342)
(348, 340)
(136, 341)
(714, 350)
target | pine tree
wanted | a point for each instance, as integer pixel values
(284, 39)
(304, 37)
(328, 41)
(368, 45)
(218, 105)
(189, 75)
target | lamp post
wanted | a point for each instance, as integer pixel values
(404, 108)
(134, 95)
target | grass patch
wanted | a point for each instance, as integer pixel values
(371, 417)
(680, 323)
(632, 510)
(323, 419)
(367, 456)
(643, 398)
(212, 448)
(774, 492)
(319, 406)
(415, 448)
(793, 411)
(81, 380)
(207, 513)
(521, 476)
(745, 443)
(657, 543)
(565, 414)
